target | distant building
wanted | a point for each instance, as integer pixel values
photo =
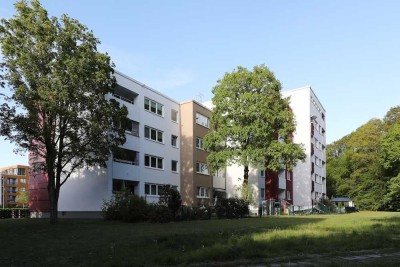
(14, 179)
(309, 177)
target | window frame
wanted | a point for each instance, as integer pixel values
(149, 104)
(200, 168)
(155, 159)
(150, 134)
(175, 112)
(202, 192)
(201, 142)
(199, 122)
(176, 140)
(176, 165)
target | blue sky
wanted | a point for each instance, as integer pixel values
(348, 51)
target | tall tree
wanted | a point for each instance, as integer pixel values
(59, 81)
(390, 150)
(252, 124)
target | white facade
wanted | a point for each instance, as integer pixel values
(150, 159)
(309, 177)
(256, 182)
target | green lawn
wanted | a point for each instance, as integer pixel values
(32, 242)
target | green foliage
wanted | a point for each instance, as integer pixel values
(158, 213)
(392, 197)
(170, 198)
(362, 165)
(60, 81)
(195, 213)
(126, 207)
(23, 198)
(390, 150)
(246, 192)
(248, 116)
(232, 208)
(9, 213)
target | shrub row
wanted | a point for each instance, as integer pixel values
(14, 213)
(230, 208)
(130, 208)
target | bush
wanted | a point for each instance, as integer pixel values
(195, 213)
(232, 208)
(14, 213)
(159, 213)
(171, 198)
(126, 207)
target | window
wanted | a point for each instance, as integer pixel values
(153, 107)
(11, 181)
(153, 134)
(22, 189)
(11, 190)
(21, 171)
(288, 195)
(22, 181)
(126, 156)
(174, 165)
(262, 173)
(199, 143)
(202, 168)
(12, 198)
(132, 127)
(174, 140)
(202, 192)
(262, 193)
(153, 162)
(174, 115)
(120, 185)
(152, 189)
(202, 120)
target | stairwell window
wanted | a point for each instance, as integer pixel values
(154, 107)
(174, 165)
(174, 140)
(202, 120)
(174, 115)
(199, 143)
(202, 192)
(202, 168)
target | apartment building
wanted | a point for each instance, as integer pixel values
(149, 159)
(309, 177)
(164, 146)
(196, 179)
(14, 179)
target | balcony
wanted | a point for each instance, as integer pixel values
(124, 94)
(126, 156)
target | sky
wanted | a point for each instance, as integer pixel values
(347, 51)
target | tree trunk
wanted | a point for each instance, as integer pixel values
(246, 175)
(53, 195)
(53, 206)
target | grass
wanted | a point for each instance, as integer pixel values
(33, 242)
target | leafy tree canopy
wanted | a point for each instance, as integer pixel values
(59, 82)
(248, 117)
(363, 164)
